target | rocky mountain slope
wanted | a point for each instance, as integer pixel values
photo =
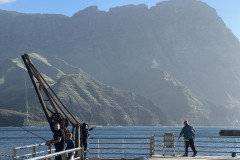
(98, 103)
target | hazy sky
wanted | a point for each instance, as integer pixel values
(228, 10)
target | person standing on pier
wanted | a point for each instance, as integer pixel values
(58, 140)
(85, 136)
(70, 145)
(189, 134)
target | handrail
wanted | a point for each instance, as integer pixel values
(206, 145)
(125, 147)
(62, 153)
(30, 146)
(34, 152)
(119, 138)
(207, 136)
(128, 147)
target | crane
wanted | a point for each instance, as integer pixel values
(54, 110)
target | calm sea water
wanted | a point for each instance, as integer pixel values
(11, 137)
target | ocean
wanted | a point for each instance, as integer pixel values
(11, 137)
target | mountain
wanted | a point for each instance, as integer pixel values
(11, 118)
(85, 97)
(98, 103)
(186, 38)
(178, 54)
(92, 101)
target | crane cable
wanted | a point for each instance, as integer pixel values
(26, 98)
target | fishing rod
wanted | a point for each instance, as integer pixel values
(26, 130)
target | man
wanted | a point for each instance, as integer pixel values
(58, 140)
(85, 136)
(189, 135)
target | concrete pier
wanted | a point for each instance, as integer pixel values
(159, 157)
(229, 133)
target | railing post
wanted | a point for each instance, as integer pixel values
(34, 151)
(98, 147)
(14, 153)
(78, 142)
(49, 150)
(152, 150)
(122, 148)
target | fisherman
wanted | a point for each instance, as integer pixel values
(58, 140)
(70, 145)
(85, 135)
(189, 135)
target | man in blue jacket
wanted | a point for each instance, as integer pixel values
(189, 134)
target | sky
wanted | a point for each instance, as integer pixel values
(228, 10)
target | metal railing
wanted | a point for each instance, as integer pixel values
(119, 147)
(31, 151)
(62, 153)
(141, 147)
(205, 145)
(41, 151)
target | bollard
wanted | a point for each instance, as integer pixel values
(151, 145)
(233, 154)
(15, 153)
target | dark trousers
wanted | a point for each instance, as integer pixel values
(58, 157)
(85, 143)
(191, 143)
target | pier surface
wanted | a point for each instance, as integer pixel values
(159, 157)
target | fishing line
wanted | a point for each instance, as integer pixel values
(7, 155)
(91, 154)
